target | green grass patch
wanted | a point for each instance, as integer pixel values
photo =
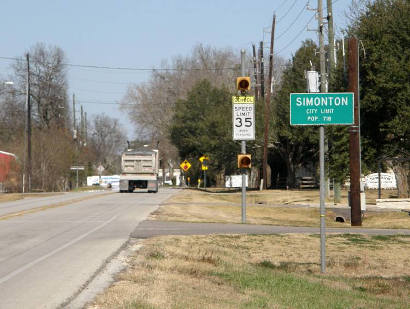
(391, 238)
(271, 288)
(294, 291)
(353, 238)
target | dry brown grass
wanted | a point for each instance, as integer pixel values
(284, 216)
(199, 271)
(8, 197)
(273, 197)
(199, 206)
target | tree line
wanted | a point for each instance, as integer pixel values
(56, 144)
(188, 109)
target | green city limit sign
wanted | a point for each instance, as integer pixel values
(321, 108)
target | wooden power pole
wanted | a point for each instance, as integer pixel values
(267, 106)
(354, 141)
(28, 166)
(262, 70)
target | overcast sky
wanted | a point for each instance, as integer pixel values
(142, 33)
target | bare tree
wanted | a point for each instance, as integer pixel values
(150, 106)
(107, 140)
(48, 84)
(12, 115)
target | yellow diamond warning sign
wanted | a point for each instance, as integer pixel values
(185, 165)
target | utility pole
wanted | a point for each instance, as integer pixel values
(255, 72)
(267, 106)
(28, 125)
(74, 125)
(85, 128)
(262, 69)
(332, 67)
(323, 88)
(354, 140)
(331, 38)
(81, 133)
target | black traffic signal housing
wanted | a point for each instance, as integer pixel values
(244, 161)
(243, 83)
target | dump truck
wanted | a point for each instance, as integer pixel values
(139, 170)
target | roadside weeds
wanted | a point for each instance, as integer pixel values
(254, 271)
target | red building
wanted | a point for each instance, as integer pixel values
(7, 162)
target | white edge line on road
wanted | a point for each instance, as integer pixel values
(40, 259)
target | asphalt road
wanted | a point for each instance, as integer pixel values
(47, 255)
(29, 203)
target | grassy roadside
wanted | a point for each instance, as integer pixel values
(269, 271)
(289, 197)
(198, 206)
(263, 271)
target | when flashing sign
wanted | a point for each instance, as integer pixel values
(321, 108)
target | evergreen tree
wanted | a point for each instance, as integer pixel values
(384, 30)
(296, 146)
(202, 124)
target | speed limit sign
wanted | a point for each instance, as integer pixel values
(243, 117)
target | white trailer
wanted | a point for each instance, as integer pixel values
(139, 170)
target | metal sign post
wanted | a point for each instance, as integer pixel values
(77, 168)
(204, 166)
(243, 150)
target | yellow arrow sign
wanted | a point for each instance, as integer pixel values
(203, 158)
(185, 165)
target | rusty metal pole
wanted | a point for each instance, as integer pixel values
(354, 141)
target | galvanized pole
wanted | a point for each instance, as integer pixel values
(243, 150)
(205, 179)
(255, 72)
(379, 188)
(323, 88)
(322, 200)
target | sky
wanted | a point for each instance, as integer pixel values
(143, 33)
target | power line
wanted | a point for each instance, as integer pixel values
(280, 6)
(132, 68)
(287, 12)
(294, 39)
(103, 81)
(100, 102)
(98, 91)
(292, 23)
